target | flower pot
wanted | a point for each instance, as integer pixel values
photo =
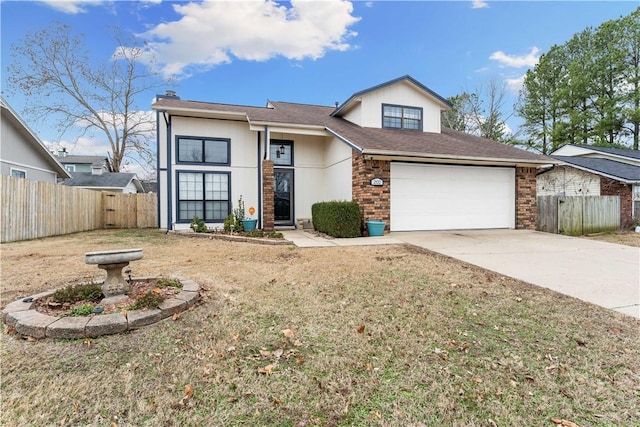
(376, 228)
(249, 224)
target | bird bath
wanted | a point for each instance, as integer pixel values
(114, 287)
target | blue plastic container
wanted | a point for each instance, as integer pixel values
(249, 224)
(376, 228)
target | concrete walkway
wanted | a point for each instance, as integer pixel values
(601, 273)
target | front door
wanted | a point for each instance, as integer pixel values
(283, 196)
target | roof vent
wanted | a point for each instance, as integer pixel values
(171, 93)
(337, 103)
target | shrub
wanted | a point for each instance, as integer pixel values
(71, 294)
(147, 300)
(337, 218)
(275, 235)
(81, 310)
(163, 282)
(255, 233)
(198, 225)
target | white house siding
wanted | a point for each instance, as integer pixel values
(567, 181)
(244, 161)
(337, 172)
(369, 112)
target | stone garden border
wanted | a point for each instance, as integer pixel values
(22, 315)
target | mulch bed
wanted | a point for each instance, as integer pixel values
(137, 288)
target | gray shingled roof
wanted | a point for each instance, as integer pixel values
(621, 171)
(448, 144)
(105, 180)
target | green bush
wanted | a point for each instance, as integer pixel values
(163, 282)
(337, 218)
(147, 300)
(198, 225)
(71, 294)
(255, 233)
(81, 310)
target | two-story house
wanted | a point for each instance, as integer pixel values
(383, 147)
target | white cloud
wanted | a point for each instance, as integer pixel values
(514, 85)
(216, 32)
(517, 61)
(71, 7)
(83, 146)
(479, 4)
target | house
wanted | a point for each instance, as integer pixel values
(22, 154)
(383, 147)
(99, 179)
(78, 163)
(597, 171)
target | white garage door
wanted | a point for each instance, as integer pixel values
(442, 197)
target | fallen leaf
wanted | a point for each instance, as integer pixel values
(267, 370)
(518, 299)
(297, 343)
(265, 353)
(188, 391)
(157, 291)
(31, 339)
(11, 330)
(564, 423)
(360, 329)
(476, 380)
(277, 401)
(288, 333)
(299, 360)
(278, 353)
(87, 342)
(176, 316)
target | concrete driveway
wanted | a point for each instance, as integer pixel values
(602, 273)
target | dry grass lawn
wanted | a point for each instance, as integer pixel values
(354, 336)
(628, 238)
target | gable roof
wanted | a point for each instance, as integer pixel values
(406, 78)
(622, 152)
(619, 171)
(30, 137)
(82, 160)
(449, 145)
(106, 181)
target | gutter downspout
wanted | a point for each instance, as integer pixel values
(169, 170)
(259, 184)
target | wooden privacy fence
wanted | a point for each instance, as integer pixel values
(578, 215)
(32, 209)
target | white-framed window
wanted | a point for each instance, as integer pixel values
(401, 117)
(18, 173)
(70, 168)
(203, 194)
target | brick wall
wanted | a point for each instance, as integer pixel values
(268, 183)
(526, 202)
(609, 187)
(374, 201)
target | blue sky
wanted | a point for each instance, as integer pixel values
(246, 52)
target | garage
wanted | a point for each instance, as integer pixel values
(451, 197)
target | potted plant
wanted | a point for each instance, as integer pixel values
(375, 228)
(249, 224)
(245, 223)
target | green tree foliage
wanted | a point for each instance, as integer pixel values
(54, 70)
(586, 91)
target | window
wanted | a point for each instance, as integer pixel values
(18, 173)
(281, 152)
(399, 117)
(203, 150)
(203, 194)
(70, 168)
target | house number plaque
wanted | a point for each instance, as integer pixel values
(377, 182)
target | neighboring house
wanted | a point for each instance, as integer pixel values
(99, 179)
(383, 147)
(22, 154)
(76, 163)
(596, 171)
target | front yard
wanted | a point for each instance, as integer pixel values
(380, 335)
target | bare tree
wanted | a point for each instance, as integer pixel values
(52, 68)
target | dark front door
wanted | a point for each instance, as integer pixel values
(283, 196)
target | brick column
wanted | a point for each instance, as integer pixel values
(268, 183)
(374, 201)
(609, 187)
(526, 201)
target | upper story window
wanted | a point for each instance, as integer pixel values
(203, 150)
(70, 168)
(401, 117)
